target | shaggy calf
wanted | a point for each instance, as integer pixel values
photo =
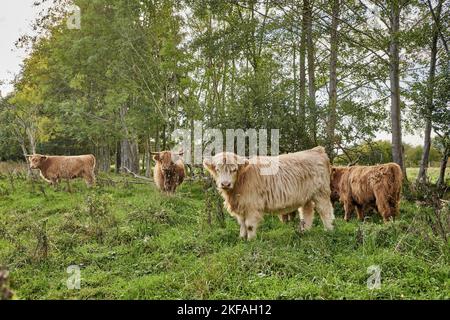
(169, 170)
(364, 187)
(250, 190)
(55, 168)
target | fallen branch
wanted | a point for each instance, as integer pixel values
(194, 178)
(111, 182)
(136, 175)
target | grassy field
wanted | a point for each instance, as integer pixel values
(131, 242)
(433, 174)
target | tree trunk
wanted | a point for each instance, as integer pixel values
(148, 167)
(103, 159)
(311, 73)
(25, 153)
(443, 167)
(422, 176)
(294, 71)
(31, 133)
(302, 80)
(129, 149)
(394, 76)
(129, 152)
(157, 141)
(164, 138)
(334, 44)
(191, 154)
(118, 157)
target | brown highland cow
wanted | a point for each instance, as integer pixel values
(364, 187)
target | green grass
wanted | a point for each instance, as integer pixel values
(131, 242)
(432, 173)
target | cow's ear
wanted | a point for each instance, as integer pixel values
(156, 156)
(44, 157)
(209, 165)
(243, 163)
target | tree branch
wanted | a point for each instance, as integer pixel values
(136, 175)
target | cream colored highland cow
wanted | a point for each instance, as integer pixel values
(295, 180)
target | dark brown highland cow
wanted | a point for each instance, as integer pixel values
(169, 170)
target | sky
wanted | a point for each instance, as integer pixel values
(16, 17)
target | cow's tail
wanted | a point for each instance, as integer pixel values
(398, 177)
(396, 186)
(322, 151)
(93, 161)
(93, 164)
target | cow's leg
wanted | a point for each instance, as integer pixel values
(325, 210)
(89, 179)
(54, 183)
(251, 222)
(348, 208)
(243, 227)
(394, 203)
(283, 218)
(396, 208)
(69, 189)
(291, 216)
(383, 205)
(360, 212)
(93, 181)
(306, 216)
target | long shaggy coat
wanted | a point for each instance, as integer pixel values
(302, 179)
(364, 187)
(169, 171)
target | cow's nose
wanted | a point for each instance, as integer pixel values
(226, 184)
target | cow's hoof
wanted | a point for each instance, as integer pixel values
(251, 237)
(302, 226)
